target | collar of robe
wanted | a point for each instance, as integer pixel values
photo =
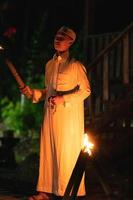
(62, 57)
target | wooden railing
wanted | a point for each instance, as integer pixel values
(109, 109)
(110, 68)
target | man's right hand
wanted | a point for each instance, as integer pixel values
(27, 91)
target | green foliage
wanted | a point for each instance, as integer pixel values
(23, 119)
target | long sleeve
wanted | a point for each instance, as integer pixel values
(83, 83)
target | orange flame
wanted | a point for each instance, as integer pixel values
(1, 48)
(87, 145)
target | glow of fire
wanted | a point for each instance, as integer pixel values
(87, 145)
(1, 48)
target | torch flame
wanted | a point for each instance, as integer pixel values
(87, 145)
(1, 48)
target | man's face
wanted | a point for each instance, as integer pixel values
(62, 42)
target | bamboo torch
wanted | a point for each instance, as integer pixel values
(15, 74)
(79, 169)
(12, 69)
(17, 77)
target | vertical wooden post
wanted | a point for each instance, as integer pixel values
(90, 102)
(131, 55)
(88, 28)
(105, 80)
(126, 59)
(88, 24)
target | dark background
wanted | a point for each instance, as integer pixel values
(104, 16)
(108, 16)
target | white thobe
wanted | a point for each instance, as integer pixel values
(63, 127)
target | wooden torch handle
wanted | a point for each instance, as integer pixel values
(15, 73)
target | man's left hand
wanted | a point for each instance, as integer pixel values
(56, 100)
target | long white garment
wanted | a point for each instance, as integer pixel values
(63, 127)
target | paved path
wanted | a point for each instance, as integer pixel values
(11, 189)
(6, 197)
(9, 196)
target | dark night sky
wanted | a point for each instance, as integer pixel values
(109, 16)
(113, 15)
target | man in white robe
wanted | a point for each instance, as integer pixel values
(63, 126)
